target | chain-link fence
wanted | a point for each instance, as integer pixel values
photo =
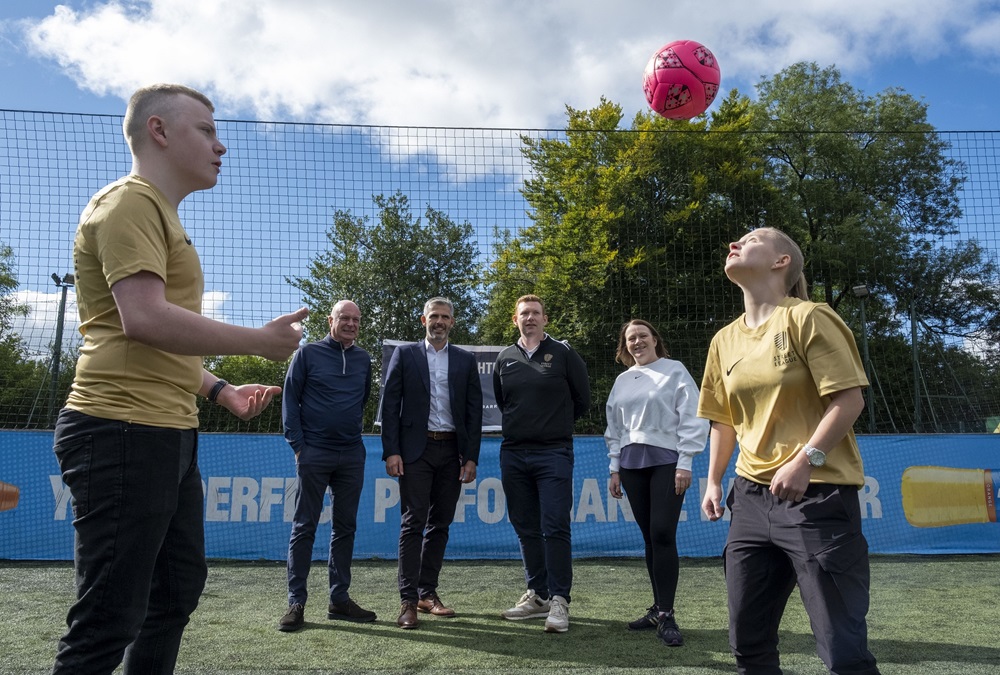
(898, 230)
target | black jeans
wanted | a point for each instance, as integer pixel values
(657, 508)
(538, 485)
(138, 510)
(344, 473)
(428, 489)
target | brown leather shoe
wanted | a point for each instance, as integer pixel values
(431, 604)
(408, 615)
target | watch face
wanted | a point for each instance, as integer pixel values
(817, 458)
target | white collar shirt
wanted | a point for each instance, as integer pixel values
(440, 418)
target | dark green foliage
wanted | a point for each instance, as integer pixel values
(390, 268)
(635, 224)
(243, 370)
(26, 399)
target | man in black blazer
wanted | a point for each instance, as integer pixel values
(432, 419)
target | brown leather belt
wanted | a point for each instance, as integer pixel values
(442, 435)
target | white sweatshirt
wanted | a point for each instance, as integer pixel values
(655, 404)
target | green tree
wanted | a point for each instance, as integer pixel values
(630, 223)
(390, 268)
(9, 307)
(866, 185)
(951, 382)
(635, 223)
(24, 383)
(24, 388)
(868, 190)
(565, 256)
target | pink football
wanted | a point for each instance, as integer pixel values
(681, 79)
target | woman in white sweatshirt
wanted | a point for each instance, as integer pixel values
(653, 434)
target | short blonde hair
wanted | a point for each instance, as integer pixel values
(795, 279)
(155, 99)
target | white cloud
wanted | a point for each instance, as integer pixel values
(490, 63)
(38, 328)
(982, 39)
(213, 305)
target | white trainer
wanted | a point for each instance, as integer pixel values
(530, 606)
(558, 620)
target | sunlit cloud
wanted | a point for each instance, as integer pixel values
(213, 305)
(512, 64)
(38, 328)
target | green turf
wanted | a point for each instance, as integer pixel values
(929, 615)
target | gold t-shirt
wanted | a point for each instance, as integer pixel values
(773, 384)
(130, 227)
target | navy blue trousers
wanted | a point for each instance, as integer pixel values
(344, 474)
(538, 485)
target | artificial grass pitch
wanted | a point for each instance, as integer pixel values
(929, 614)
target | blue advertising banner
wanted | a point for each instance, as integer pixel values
(250, 489)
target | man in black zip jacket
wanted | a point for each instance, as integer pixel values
(541, 389)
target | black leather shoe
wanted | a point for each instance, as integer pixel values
(431, 604)
(349, 611)
(408, 615)
(293, 619)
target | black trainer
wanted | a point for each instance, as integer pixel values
(349, 611)
(645, 622)
(668, 632)
(293, 619)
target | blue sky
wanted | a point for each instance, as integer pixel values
(489, 63)
(509, 64)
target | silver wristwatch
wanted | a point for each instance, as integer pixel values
(816, 457)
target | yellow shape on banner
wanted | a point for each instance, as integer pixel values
(936, 496)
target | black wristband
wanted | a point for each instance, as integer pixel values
(214, 394)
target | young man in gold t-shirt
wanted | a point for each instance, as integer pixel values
(127, 439)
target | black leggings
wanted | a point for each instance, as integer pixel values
(657, 508)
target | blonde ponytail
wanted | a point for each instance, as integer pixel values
(794, 277)
(800, 289)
